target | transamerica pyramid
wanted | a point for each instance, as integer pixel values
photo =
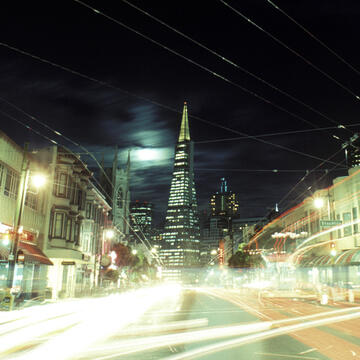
(181, 237)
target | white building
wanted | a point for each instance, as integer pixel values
(76, 216)
(31, 271)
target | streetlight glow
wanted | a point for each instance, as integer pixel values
(318, 203)
(109, 234)
(38, 180)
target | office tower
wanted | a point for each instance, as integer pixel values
(180, 248)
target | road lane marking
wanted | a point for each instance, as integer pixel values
(307, 351)
(288, 356)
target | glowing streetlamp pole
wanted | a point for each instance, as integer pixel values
(38, 181)
(20, 203)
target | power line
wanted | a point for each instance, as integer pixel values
(278, 134)
(71, 152)
(155, 102)
(310, 172)
(276, 171)
(59, 134)
(232, 63)
(206, 69)
(314, 37)
(310, 187)
(291, 50)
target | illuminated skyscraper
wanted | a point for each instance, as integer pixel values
(140, 220)
(225, 202)
(181, 236)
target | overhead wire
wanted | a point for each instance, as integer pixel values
(70, 151)
(103, 83)
(155, 102)
(357, 97)
(275, 171)
(310, 172)
(314, 37)
(301, 195)
(204, 68)
(59, 134)
(278, 134)
(232, 63)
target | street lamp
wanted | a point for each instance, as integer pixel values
(38, 180)
(318, 203)
(109, 234)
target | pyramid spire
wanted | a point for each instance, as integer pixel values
(128, 165)
(184, 130)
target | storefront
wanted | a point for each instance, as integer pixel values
(30, 271)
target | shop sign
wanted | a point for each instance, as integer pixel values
(68, 263)
(330, 223)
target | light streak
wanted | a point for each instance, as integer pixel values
(230, 344)
(150, 343)
(302, 249)
(171, 326)
(78, 324)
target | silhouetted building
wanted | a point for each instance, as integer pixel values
(224, 208)
(115, 183)
(141, 220)
(225, 202)
(352, 151)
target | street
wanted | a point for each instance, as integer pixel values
(168, 322)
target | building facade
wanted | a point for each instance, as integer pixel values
(223, 210)
(181, 236)
(116, 183)
(31, 269)
(141, 214)
(76, 219)
(320, 235)
(224, 202)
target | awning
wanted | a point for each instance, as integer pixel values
(31, 253)
(348, 257)
(315, 261)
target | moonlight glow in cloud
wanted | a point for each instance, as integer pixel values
(148, 154)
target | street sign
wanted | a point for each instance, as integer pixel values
(330, 223)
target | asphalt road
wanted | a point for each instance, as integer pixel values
(220, 312)
(176, 324)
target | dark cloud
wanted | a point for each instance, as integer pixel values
(101, 117)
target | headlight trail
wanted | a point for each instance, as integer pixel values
(171, 326)
(143, 344)
(210, 349)
(93, 320)
(150, 343)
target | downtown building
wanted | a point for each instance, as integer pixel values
(217, 233)
(141, 214)
(180, 244)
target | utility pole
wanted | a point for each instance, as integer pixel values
(20, 203)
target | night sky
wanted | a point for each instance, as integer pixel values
(138, 102)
